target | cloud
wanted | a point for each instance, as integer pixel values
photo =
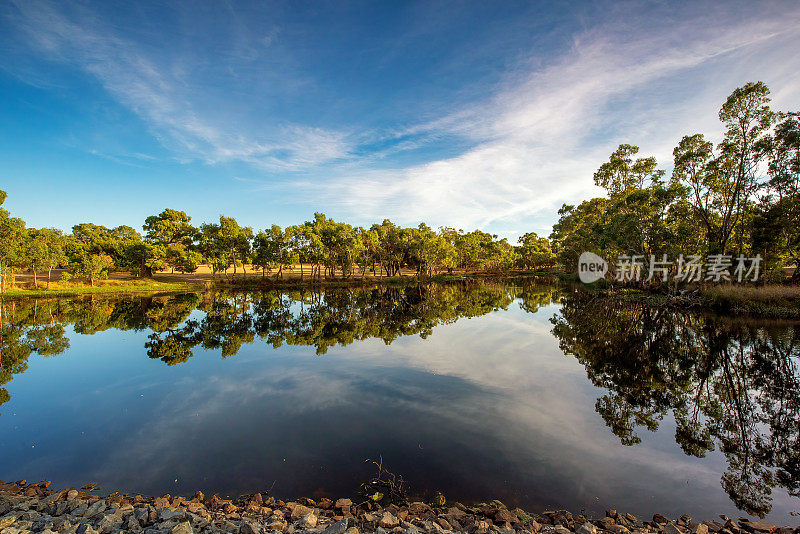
(162, 91)
(545, 132)
(645, 75)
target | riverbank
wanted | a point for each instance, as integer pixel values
(167, 283)
(766, 302)
(35, 508)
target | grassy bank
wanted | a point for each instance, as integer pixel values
(768, 301)
(170, 283)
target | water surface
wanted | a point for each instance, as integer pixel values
(541, 397)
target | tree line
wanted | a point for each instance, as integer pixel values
(321, 248)
(738, 197)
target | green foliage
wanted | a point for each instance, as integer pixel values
(714, 202)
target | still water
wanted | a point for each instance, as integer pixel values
(542, 397)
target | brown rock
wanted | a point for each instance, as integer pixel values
(504, 516)
(759, 526)
(298, 510)
(658, 518)
(343, 503)
(388, 520)
(418, 508)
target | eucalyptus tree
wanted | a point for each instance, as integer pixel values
(12, 238)
(170, 237)
(235, 241)
(723, 179)
(776, 227)
(535, 251)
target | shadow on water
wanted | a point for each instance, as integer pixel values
(730, 385)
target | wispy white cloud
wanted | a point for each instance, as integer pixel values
(165, 96)
(519, 155)
(544, 133)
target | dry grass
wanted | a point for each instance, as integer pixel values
(741, 293)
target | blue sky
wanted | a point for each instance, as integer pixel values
(466, 114)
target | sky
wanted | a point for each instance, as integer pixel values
(485, 115)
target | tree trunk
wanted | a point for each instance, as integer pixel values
(49, 272)
(35, 281)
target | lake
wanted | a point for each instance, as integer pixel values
(544, 397)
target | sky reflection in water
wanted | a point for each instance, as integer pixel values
(484, 407)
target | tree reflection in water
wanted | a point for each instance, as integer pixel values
(729, 384)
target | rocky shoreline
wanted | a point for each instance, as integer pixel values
(28, 508)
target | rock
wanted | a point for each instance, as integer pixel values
(559, 529)
(85, 528)
(504, 516)
(759, 526)
(95, 508)
(276, 524)
(351, 530)
(132, 524)
(108, 523)
(340, 527)
(80, 510)
(618, 529)
(298, 510)
(165, 514)
(418, 508)
(714, 526)
(586, 528)
(248, 527)
(388, 520)
(438, 499)
(671, 528)
(699, 529)
(309, 520)
(611, 513)
(343, 503)
(182, 528)
(660, 519)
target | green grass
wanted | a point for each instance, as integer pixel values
(137, 287)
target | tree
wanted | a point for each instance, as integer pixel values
(622, 172)
(723, 181)
(45, 251)
(535, 251)
(776, 226)
(93, 266)
(12, 238)
(171, 237)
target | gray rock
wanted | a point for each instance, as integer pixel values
(248, 527)
(340, 527)
(182, 528)
(72, 494)
(95, 508)
(108, 523)
(671, 528)
(586, 528)
(85, 528)
(165, 514)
